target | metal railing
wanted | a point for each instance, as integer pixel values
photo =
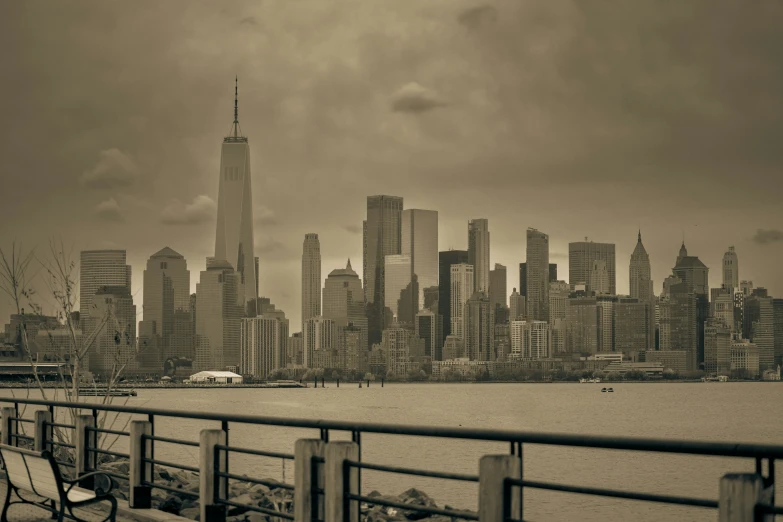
(328, 473)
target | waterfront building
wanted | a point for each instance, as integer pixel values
(530, 340)
(453, 348)
(497, 287)
(263, 345)
(429, 327)
(582, 257)
(234, 232)
(382, 237)
(295, 351)
(537, 275)
(445, 261)
(420, 242)
(777, 321)
(218, 317)
(717, 347)
(400, 345)
(351, 353)
(678, 323)
(675, 360)
(502, 340)
(758, 326)
(215, 377)
(558, 299)
(319, 338)
(730, 270)
(695, 276)
(517, 309)
(744, 359)
(311, 277)
(479, 327)
(400, 290)
(115, 341)
(582, 325)
(634, 326)
(462, 281)
(478, 253)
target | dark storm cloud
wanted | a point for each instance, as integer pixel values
(108, 210)
(201, 210)
(764, 237)
(114, 169)
(414, 98)
(476, 17)
(353, 229)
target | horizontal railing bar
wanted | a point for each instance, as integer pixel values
(268, 483)
(110, 432)
(21, 419)
(109, 452)
(628, 495)
(417, 472)
(270, 512)
(66, 464)
(63, 444)
(19, 436)
(113, 474)
(248, 451)
(185, 492)
(412, 507)
(769, 510)
(172, 465)
(172, 441)
(725, 449)
(58, 425)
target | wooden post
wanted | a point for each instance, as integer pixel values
(140, 471)
(739, 494)
(8, 426)
(210, 485)
(308, 474)
(84, 440)
(496, 501)
(43, 432)
(341, 480)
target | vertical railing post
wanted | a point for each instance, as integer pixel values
(211, 461)
(308, 475)
(84, 440)
(140, 471)
(739, 494)
(340, 481)
(496, 500)
(8, 426)
(43, 431)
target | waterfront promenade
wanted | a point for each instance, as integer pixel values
(327, 483)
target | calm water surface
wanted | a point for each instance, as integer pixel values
(746, 412)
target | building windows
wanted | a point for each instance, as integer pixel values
(164, 265)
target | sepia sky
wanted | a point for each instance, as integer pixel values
(577, 118)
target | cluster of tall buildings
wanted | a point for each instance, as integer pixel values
(413, 305)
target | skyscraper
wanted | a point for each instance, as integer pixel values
(398, 278)
(311, 277)
(523, 279)
(430, 328)
(497, 286)
(599, 277)
(218, 317)
(320, 335)
(758, 319)
(115, 345)
(382, 237)
(582, 255)
(717, 347)
(730, 269)
(462, 281)
(263, 344)
(479, 328)
(695, 276)
(552, 272)
(445, 261)
(517, 308)
(478, 252)
(641, 284)
(166, 299)
(537, 275)
(344, 300)
(234, 236)
(420, 242)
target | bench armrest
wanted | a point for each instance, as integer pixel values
(98, 491)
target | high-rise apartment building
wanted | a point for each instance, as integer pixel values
(558, 299)
(695, 276)
(517, 307)
(537, 275)
(497, 286)
(530, 340)
(582, 325)
(218, 317)
(311, 277)
(758, 326)
(581, 258)
(430, 328)
(234, 235)
(523, 277)
(319, 338)
(263, 345)
(730, 269)
(445, 261)
(115, 344)
(717, 347)
(478, 252)
(399, 293)
(634, 325)
(420, 242)
(382, 237)
(462, 281)
(479, 328)
(640, 274)
(678, 323)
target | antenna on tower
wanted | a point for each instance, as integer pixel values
(236, 105)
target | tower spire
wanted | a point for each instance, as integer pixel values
(236, 106)
(640, 235)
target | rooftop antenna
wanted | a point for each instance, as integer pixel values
(236, 106)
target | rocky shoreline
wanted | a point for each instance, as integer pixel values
(271, 498)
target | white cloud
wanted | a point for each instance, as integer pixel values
(114, 169)
(108, 210)
(200, 210)
(264, 215)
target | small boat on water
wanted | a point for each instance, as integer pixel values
(596, 380)
(610, 390)
(603, 389)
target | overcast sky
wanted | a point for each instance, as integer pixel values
(577, 118)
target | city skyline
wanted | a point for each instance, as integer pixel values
(144, 178)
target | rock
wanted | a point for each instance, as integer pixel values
(191, 513)
(256, 517)
(171, 505)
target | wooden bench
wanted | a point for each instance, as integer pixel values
(39, 474)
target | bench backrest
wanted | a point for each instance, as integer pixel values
(32, 471)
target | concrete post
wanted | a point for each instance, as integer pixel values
(739, 494)
(8, 426)
(496, 501)
(341, 480)
(210, 485)
(139, 449)
(84, 439)
(308, 474)
(43, 432)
